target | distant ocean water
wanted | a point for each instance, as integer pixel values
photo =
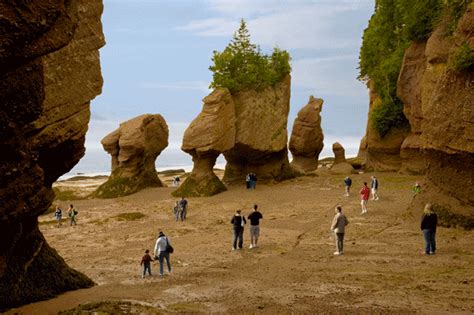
(97, 162)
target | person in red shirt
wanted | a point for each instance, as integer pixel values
(364, 197)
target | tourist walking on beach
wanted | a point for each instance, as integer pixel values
(162, 251)
(238, 222)
(253, 180)
(177, 211)
(183, 204)
(374, 186)
(254, 219)
(364, 197)
(247, 181)
(58, 214)
(347, 184)
(72, 213)
(429, 221)
(146, 263)
(338, 226)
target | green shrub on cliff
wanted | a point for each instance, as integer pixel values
(242, 66)
(463, 58)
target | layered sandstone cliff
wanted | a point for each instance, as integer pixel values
(439, 105)
(134, 147)
(307, 137)
(210, 134)
(50, 71)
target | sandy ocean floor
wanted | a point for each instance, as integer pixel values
(292, 271)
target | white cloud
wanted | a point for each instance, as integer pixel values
(184, 85)
(329, 75)
(289, 25)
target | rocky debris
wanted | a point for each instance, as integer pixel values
(210, 134)
(50, 71)
(134, 147)
(307, 137)
(260, 134)
(340, 165)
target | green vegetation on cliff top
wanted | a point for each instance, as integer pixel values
(392, 28)
(242, 66)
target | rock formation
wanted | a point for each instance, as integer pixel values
(134, 147)
(439, 105)
(50, 71)
(377, 153)
(340, 165)
(307, 137)
(447, 125)
(260, 134)
(210, 134)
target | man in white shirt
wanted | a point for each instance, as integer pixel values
(161, 251)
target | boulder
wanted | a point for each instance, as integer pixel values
(261, 138)
(307, 137)
(134, 147)
(49, 73)
(210, 134)
(340, 165)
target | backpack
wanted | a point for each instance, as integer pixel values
(169, 248)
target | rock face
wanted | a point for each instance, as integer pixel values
(50, 71)
(210, 134)
(377, 153)
(134, 147)
(261, 138)
(447, 124)
(340, 165)
(307, 137)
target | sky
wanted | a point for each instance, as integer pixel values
(158, 52)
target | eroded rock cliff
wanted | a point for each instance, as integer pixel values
(210, 134)
(340, 165)
(134, 147)
(261, 134)
(50, 71)
(307, 137)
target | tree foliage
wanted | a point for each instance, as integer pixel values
(241, 65)
(392, 28)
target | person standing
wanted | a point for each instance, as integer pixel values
(183, 204)
(254, 218)
(238, 221)
(72, 213)
(429, 221)
(416, 189)
(58, 214)
(146, 263)
(347, 184)
(374, 186)
(177, 211)
(338, 226)
(364, 197)
(253, 180)
(247, 180)
(161, 251)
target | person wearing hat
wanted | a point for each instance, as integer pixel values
(161, 252)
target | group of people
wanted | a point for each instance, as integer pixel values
(175, 181)
(180, 209)
(238, 222)
(364, 192)
(71, 213)
(163, 247)
(251, 180)
(162, 252)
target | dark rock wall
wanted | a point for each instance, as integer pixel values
(49, 72)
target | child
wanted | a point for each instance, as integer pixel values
(146, 263)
